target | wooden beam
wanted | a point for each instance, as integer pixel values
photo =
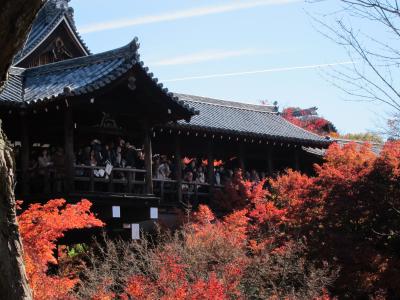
(178, 166)
(25, 155)
(148, 159)
(69, 149)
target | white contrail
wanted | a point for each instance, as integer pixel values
(181, 14)
(258, 71)
(210, 55)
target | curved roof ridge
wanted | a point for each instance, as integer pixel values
(227, 103)
(82, 75)
(128, 51)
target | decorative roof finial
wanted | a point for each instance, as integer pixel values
(61, 4)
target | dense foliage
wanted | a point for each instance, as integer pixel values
(292, 237)
(40, 226)
(309, 120)
(208, 258)
(349, 215)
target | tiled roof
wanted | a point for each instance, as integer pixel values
(13, 88)
(221, 116)
(48, 18)
(80, 75)
(225, 103)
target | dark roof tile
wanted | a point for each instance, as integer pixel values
(221, 116)
(81, 75)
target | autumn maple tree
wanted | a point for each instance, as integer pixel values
(41, 225)
(235, 256)
(348, 215)
(294, 236)
(309, 121)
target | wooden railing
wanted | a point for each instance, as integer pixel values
(133, 181)
(168, 190)
(126, 180)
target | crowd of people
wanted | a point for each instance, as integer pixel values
(119, 154)
(46, 164)
(195, 170)
(49, 162)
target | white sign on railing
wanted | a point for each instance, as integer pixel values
(153, 213)
(135, 229)
(116, 212)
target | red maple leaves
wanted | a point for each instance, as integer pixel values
(303, 119)
(40, 226)
(346, 216)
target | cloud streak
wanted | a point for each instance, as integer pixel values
(272, 70)
(205, 56)
(182, 14)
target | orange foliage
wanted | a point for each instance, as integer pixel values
(140, 287)
(232, 229)
(187, 160)
(348, 214)
(40, 227)
(313, 123)
(176, 280)
(216, 163)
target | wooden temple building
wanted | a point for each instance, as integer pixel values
(58, 93)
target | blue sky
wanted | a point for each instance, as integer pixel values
(247, 51)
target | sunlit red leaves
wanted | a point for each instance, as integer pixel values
(208, 289)
(388, 162)
(213, 270)
(205, 231)
(216, 163)
(140, 287)
(336, 211)
(314, 124)
(346, 164)
(203, 216)
(40, 227)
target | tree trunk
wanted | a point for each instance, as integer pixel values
(13, 281)
(16, 17)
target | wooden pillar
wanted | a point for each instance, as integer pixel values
(242, 158)
(148, 159)
(69, 149)
(24, 155)
(178, 167)
(270, 155)
(210, 168)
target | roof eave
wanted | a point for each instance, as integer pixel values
(251, 135)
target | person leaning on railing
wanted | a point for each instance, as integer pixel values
(44, 164)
